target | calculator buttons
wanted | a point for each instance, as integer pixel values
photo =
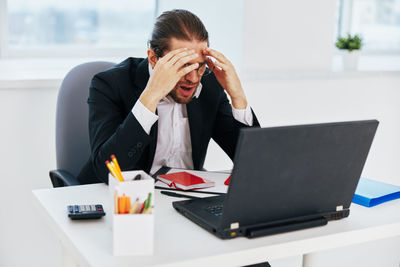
(78, 212)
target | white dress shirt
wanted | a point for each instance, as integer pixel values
(174, 147)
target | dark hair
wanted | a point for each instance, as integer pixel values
(178, 23)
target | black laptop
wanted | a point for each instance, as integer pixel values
(287, 178)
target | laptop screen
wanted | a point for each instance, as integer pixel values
(286, 172)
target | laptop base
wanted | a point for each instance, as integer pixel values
(194, 210)
(282, 228)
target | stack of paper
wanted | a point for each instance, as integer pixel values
(370, 193)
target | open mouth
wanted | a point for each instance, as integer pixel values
(187, 90)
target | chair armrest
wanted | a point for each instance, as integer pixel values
(60, 178)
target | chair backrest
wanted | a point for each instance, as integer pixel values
(72, 132)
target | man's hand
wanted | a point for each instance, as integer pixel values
(167, 72)
(227, 77)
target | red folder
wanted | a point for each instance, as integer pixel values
(228, 180)
(185, 181)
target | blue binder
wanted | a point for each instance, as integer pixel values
(370, 193)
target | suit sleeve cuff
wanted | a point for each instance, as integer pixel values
(145, 117)
(244, 116)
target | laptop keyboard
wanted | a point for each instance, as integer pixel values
(215, 210)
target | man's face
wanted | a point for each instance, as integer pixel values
(186, 87)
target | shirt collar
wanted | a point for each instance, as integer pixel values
(198, 89)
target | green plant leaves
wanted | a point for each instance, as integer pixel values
(349, 43)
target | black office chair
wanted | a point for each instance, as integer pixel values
(72, 132)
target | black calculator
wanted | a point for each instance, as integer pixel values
(84, 212)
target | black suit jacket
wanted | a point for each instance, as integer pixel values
(113, 129)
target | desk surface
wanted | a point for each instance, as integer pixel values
(179, 242)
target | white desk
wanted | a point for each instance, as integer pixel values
(179, 242)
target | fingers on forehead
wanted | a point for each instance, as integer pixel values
(175, 52)
(213, 53)
(217, 54)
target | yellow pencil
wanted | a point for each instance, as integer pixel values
(112, 171)
(115, 161)
(119, 174)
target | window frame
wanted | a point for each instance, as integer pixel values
(345, 25)
(3, 28)
(66, 51)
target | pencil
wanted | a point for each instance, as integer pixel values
(141, 208)
(116, 202)
(148, 201)
(134, 207)
(149, 210)
(115, 161)
(112, 171)
(119, 174)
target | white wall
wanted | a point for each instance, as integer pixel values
(288, 35)
(27, 155)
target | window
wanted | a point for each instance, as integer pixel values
(377, 21)
(75, 27)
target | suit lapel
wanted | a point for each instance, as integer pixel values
(195, 122)
(153, 144)
(141, 78)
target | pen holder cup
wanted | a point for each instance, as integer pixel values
(133, 231)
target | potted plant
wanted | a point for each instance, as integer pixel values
(350, 46)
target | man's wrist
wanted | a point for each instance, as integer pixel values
(239, 102)
(145, 117)
(244, 116)
(149, 100)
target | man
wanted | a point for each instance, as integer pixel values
(163, 110)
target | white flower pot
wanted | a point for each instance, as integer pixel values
(350, 60)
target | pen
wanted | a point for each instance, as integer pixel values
(162, 170)
(173, 194)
